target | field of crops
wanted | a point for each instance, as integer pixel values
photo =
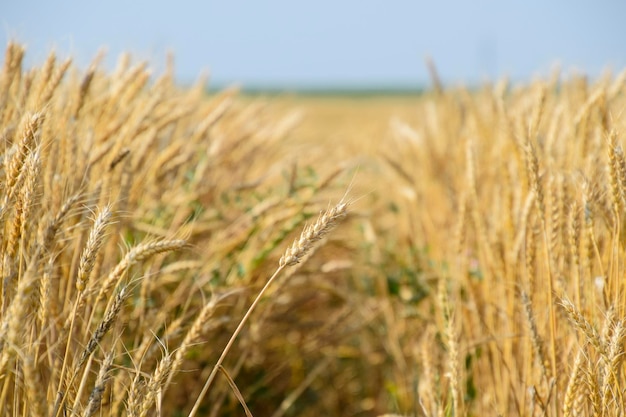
(461, 252)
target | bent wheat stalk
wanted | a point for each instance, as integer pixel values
(292, 256)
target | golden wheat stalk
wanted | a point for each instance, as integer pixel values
(294, 254)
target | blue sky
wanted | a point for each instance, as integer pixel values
(292, 44)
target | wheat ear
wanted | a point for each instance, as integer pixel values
(575, 387)
(29, 132)
(585, 327)
(313, 234)
(537, 341)
(155, 384)
(103, 327)
(12, 60)
(136, 254)
(33, 383)
(95, 398)
(94, 243)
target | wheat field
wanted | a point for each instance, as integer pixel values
(172, 252)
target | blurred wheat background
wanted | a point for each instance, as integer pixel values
(478, 270)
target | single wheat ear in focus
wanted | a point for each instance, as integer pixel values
(312, 234)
